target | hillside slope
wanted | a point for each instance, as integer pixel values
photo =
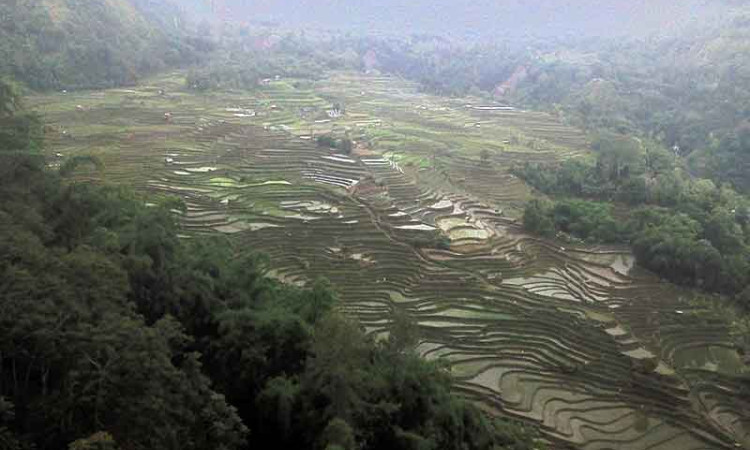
(688, 92)
(69, 44)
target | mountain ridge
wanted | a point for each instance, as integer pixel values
(76, 44)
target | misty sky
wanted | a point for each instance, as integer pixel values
(482, 17)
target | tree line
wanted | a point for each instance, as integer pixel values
(81, 44)
(687, 230)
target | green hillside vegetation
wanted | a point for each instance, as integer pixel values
(685, 92)
(74, 44)
(688, 230)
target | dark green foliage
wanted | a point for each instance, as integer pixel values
(71, 164)
(82, 360)
(685, 92)
(10, 98)
(385, 396)
(681, 249)
(328, 141)
(624, 170)
(699, 237)
(245, 61)
(20, 131)
(73, 44)
(726, 159)
(338, 435)
(345, 145)
(231, 74)
(697, 248)
(439, 67)
(76, 357)
(8, 438)
(443, 243)
(538, 217)
(687, 230)
(587, 220)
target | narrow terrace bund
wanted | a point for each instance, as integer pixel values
(601, 356)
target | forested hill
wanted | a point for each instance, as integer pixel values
(70, 44)
(688, 92)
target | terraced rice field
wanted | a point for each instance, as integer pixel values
(600, 354)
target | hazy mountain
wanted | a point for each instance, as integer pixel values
(484, 18)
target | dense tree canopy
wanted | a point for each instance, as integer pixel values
(688, 230)
(73, 44)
